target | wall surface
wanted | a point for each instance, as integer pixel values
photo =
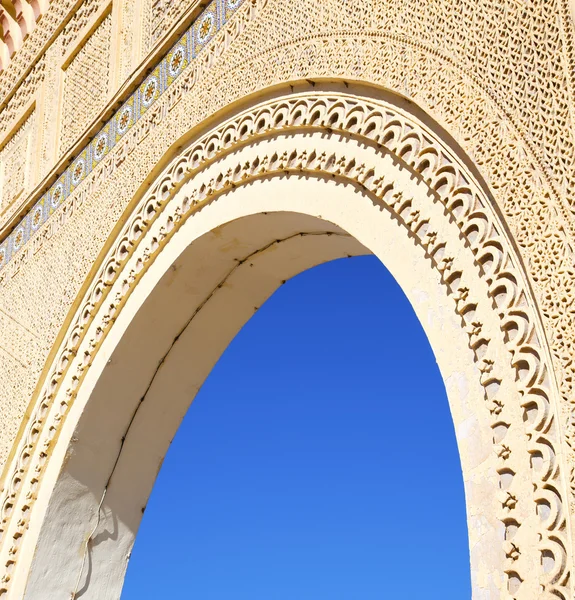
(99, 98)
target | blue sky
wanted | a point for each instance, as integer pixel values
(319, 459)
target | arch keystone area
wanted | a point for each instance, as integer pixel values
(195, 192)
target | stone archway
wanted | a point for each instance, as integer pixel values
(283, 185)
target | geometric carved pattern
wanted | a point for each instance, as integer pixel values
(128, 56)
(530, 38)
(162, 14)
(15, 163)
(403, 52)
(34, 46)
(22, 96)
(86, 84)
(17, 20)
(521, 63)
(464, 203)
(77, 23)
(85, 73)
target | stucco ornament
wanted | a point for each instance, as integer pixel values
(248, 145)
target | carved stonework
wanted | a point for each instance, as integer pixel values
(78, 22)
(471, 101)
(130, 37)
(465, 205)
(17, 21)
(34, 45)
(86, 84)
(22, 97)
(16, 162)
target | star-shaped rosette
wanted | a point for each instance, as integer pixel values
(38, 215)
(205, 27)
(57, 194)
(79, 170)
(176, 61)
(101, 145)
(125, 118)
(150, 90)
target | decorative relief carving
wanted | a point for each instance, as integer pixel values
(539, 216)
(511, 37)
(22, 98)
(86, 84)
(465, 205)
(47, 273)
(34, 46)
(162, 14)
(48, 132)
(18, 341)
(130, 51)
(511, 113)
(79, 20)
(79, 108)
(446, 79)
(17, 21)
(15, 163)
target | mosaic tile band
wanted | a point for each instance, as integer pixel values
(182, 53)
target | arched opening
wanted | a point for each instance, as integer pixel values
(318, 455)
(160, 360)
(276, 190)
